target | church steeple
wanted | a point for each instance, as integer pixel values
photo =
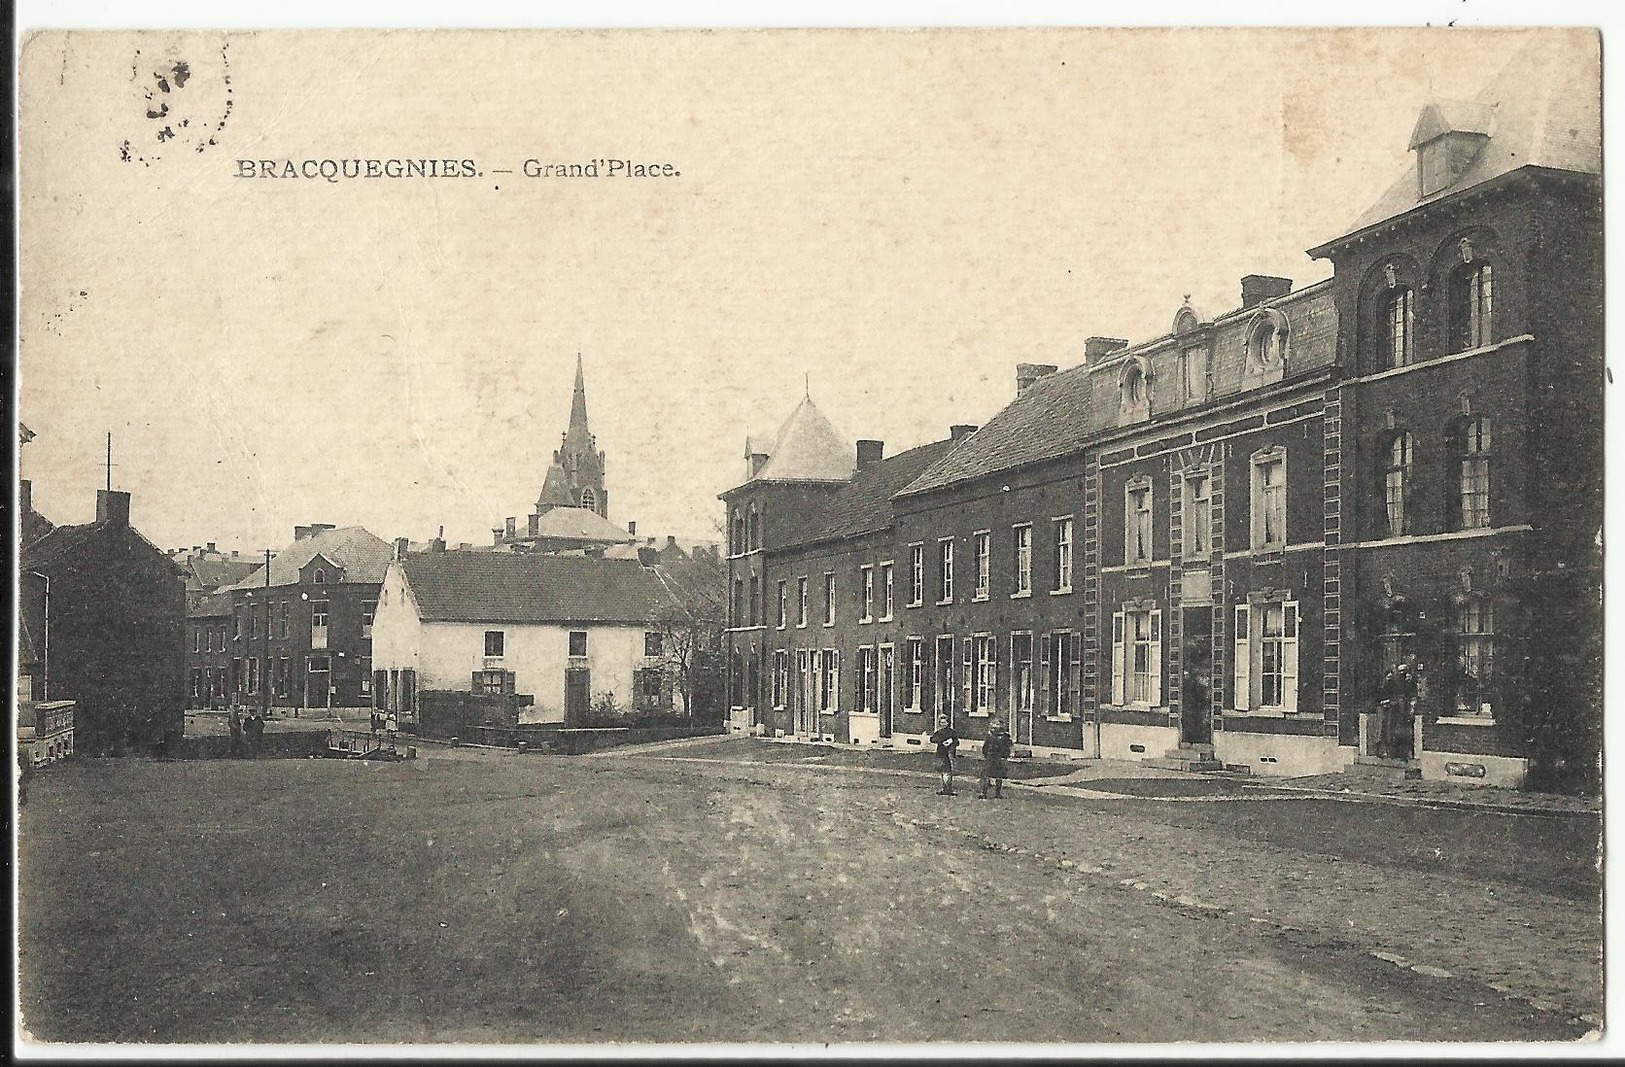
(578, 457)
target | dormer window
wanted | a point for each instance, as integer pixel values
(1266, 343)
(1447, 138)
(320, 577)
(1134, 388)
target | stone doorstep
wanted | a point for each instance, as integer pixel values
(1183, 764)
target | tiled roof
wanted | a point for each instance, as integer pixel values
(1544, 109)
(864, 505)
(209, 605)
(1062, 413)
(34, 526)
(808, 448)
(363, 556)
(522, 587)
(215, 573)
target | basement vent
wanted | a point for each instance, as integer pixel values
(1136, 748)
(777, 734)
(914, 740)
(1465, 770)
(1267, 759)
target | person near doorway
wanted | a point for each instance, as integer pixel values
(1397, 697)
(996, 749)
(947, 742)
(235, 721)
(255, 729)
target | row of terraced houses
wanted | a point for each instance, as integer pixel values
(1221, 544)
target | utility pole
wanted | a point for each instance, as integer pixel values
(265, 671)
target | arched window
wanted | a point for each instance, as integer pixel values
(1472, 306)
(1134, 390)
(1396, 483)
(320, 577)
(1475, 658)
(1400, 333)
(754, 537)
(589, 499)
(1468, 445)
(739, 534)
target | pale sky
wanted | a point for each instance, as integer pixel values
(899, 218)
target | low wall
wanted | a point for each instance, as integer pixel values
(275, 744)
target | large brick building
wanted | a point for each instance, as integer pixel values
(1221, 543)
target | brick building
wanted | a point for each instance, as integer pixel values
(303, 639)
(1215, 545)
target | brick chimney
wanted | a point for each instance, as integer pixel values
(959, 432)
(510, 527)
(632, 527)
(1257, 288)
(1097, 348)
(496, 535)
(210, 546)
(438, 543)
(535, 524)
(870, 453)
(671, 540)
(112, 507)
(1028, 373)
(400, 547)
(302, 532)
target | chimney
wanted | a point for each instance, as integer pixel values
(496, 535)
(25, 495)
(1257, 288)
(437, 544)
(671, 540)
(870, 453)
(302, 532)
(210, 546)
(1028, 373)
(235, 553)
(536, 523)
(113, 507)
(400, 547)
(510, 527)
(632, 527)
(1097, 348)
(960, 432)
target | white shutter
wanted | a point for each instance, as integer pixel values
(1045, 697)
(967, 681)
(1156, 659)
(1289, 656)
(1243, 692)
(835, 683)
(1074, 677)
(1118, 666)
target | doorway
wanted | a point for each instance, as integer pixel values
(577, 694)
(1196, 686)
(888, 687)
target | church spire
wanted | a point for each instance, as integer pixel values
(578, 409)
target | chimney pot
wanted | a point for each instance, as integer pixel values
(632, 527)
(870, 452)
(113, 507)
(1097, 348)
(1257, 288)
(1028, 373)
(960, 431)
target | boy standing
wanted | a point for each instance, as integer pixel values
(996, 748)
(947, 743)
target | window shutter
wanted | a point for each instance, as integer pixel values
(835, 683)
(969, 682)
(1156, 659)
(476, 684)
(1289, 656)
(1118, 689)
(1244, 693)
(1074, 677)
(507, 682)
(1044, 695)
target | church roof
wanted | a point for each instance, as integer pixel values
(578, 524)
(578, 434)
(555, 490)
(1544, 109)
(808, 448)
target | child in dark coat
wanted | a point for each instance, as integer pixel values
(996, 748)
(947, 743)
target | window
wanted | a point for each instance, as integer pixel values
(981, 673)
(1024, 560)
(363, 664)
(237, 674)
(1396, 476)
(318, 614)
(237, 623)
(914, 674)
(1137, 657)
(829, 599)
(1063, 555)
(829, 681)
(654, 644)
(578, 642)
(945, 674)
(1198, 516)
(1475, 659)
(984, 565)
(1469, 448)
(320, 577)
(1269, 498)
(1063, 674)
(197, 683)
(197, 639)
(1400, 335)
(753, 534)
(253, 685)
(254, 621)
(284, 676)
(867, 674)
(755, 600)
(493, 683)
(784, 604)
(801, 601)
(1137, 522)
(781, 676)
(320, 664)
(1266, 656)
(1472, 305)
(888, 591)
(737, 606)
(916, 575)
(369, 609)
(1193, 374)
(589, 499)
(650, 687)
(739, 535)
(494, 642)
(1267, 343)
(1022, 683)
(945, 573)
(868, 594)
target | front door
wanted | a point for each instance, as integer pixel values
(318, 691)
(1196, 686)
(944, 680)
(888, 687)
(806, 708)
(1022, 688)
(577, 694)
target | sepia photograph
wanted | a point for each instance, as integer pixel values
(761, 540)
